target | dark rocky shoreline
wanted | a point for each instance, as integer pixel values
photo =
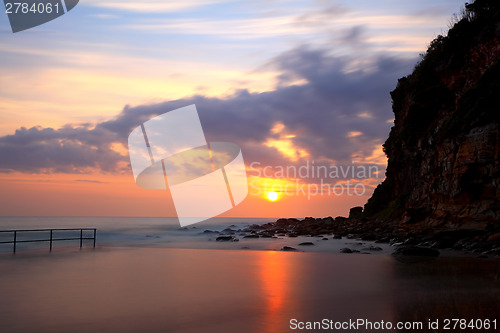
(478, 242)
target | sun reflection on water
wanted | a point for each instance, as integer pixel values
(274, 273)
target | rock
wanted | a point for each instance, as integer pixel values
(345, 250)
(383, 240)
(228, 231)
(306, 244)
(337, 237)
(251, 236)
(224, 239)
(210, 232)
(324, 238)
(372, 248)
(286, 222)
(450, 238)
(494, 237)
(328, 220)
(356, 212)
(416, 251)
(288, 248)
(368, 237)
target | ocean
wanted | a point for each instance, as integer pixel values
(150, 275)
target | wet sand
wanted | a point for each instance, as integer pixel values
(193, 290)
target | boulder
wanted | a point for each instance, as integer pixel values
(356, 212)
(224, 239)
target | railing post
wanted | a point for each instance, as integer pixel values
(94, 237)
(81, 235)
(50, 240)
(15, 239)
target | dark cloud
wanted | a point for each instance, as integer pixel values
(354, 36)
(71, 149)
(320, 113)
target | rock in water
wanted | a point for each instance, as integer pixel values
(251, 236)
(224, 239)
(356, 212)
(372, 248)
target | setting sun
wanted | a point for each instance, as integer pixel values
(272, 196)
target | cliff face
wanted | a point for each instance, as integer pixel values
(444, 149)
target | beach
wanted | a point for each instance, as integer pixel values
(136, 289)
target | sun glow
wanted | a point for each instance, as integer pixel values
(272, 196)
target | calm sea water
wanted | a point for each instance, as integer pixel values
(137, 289)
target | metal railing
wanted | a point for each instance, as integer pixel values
(52, 239)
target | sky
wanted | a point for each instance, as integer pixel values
(296, 84)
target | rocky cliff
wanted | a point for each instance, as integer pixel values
(444, 149)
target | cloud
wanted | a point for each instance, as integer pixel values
(354, 35)
(239, 28)
(340, 96)
(70, 149)
(150, 6)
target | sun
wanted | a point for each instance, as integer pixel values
(272, 196)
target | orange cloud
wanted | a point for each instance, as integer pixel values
(284, 143)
